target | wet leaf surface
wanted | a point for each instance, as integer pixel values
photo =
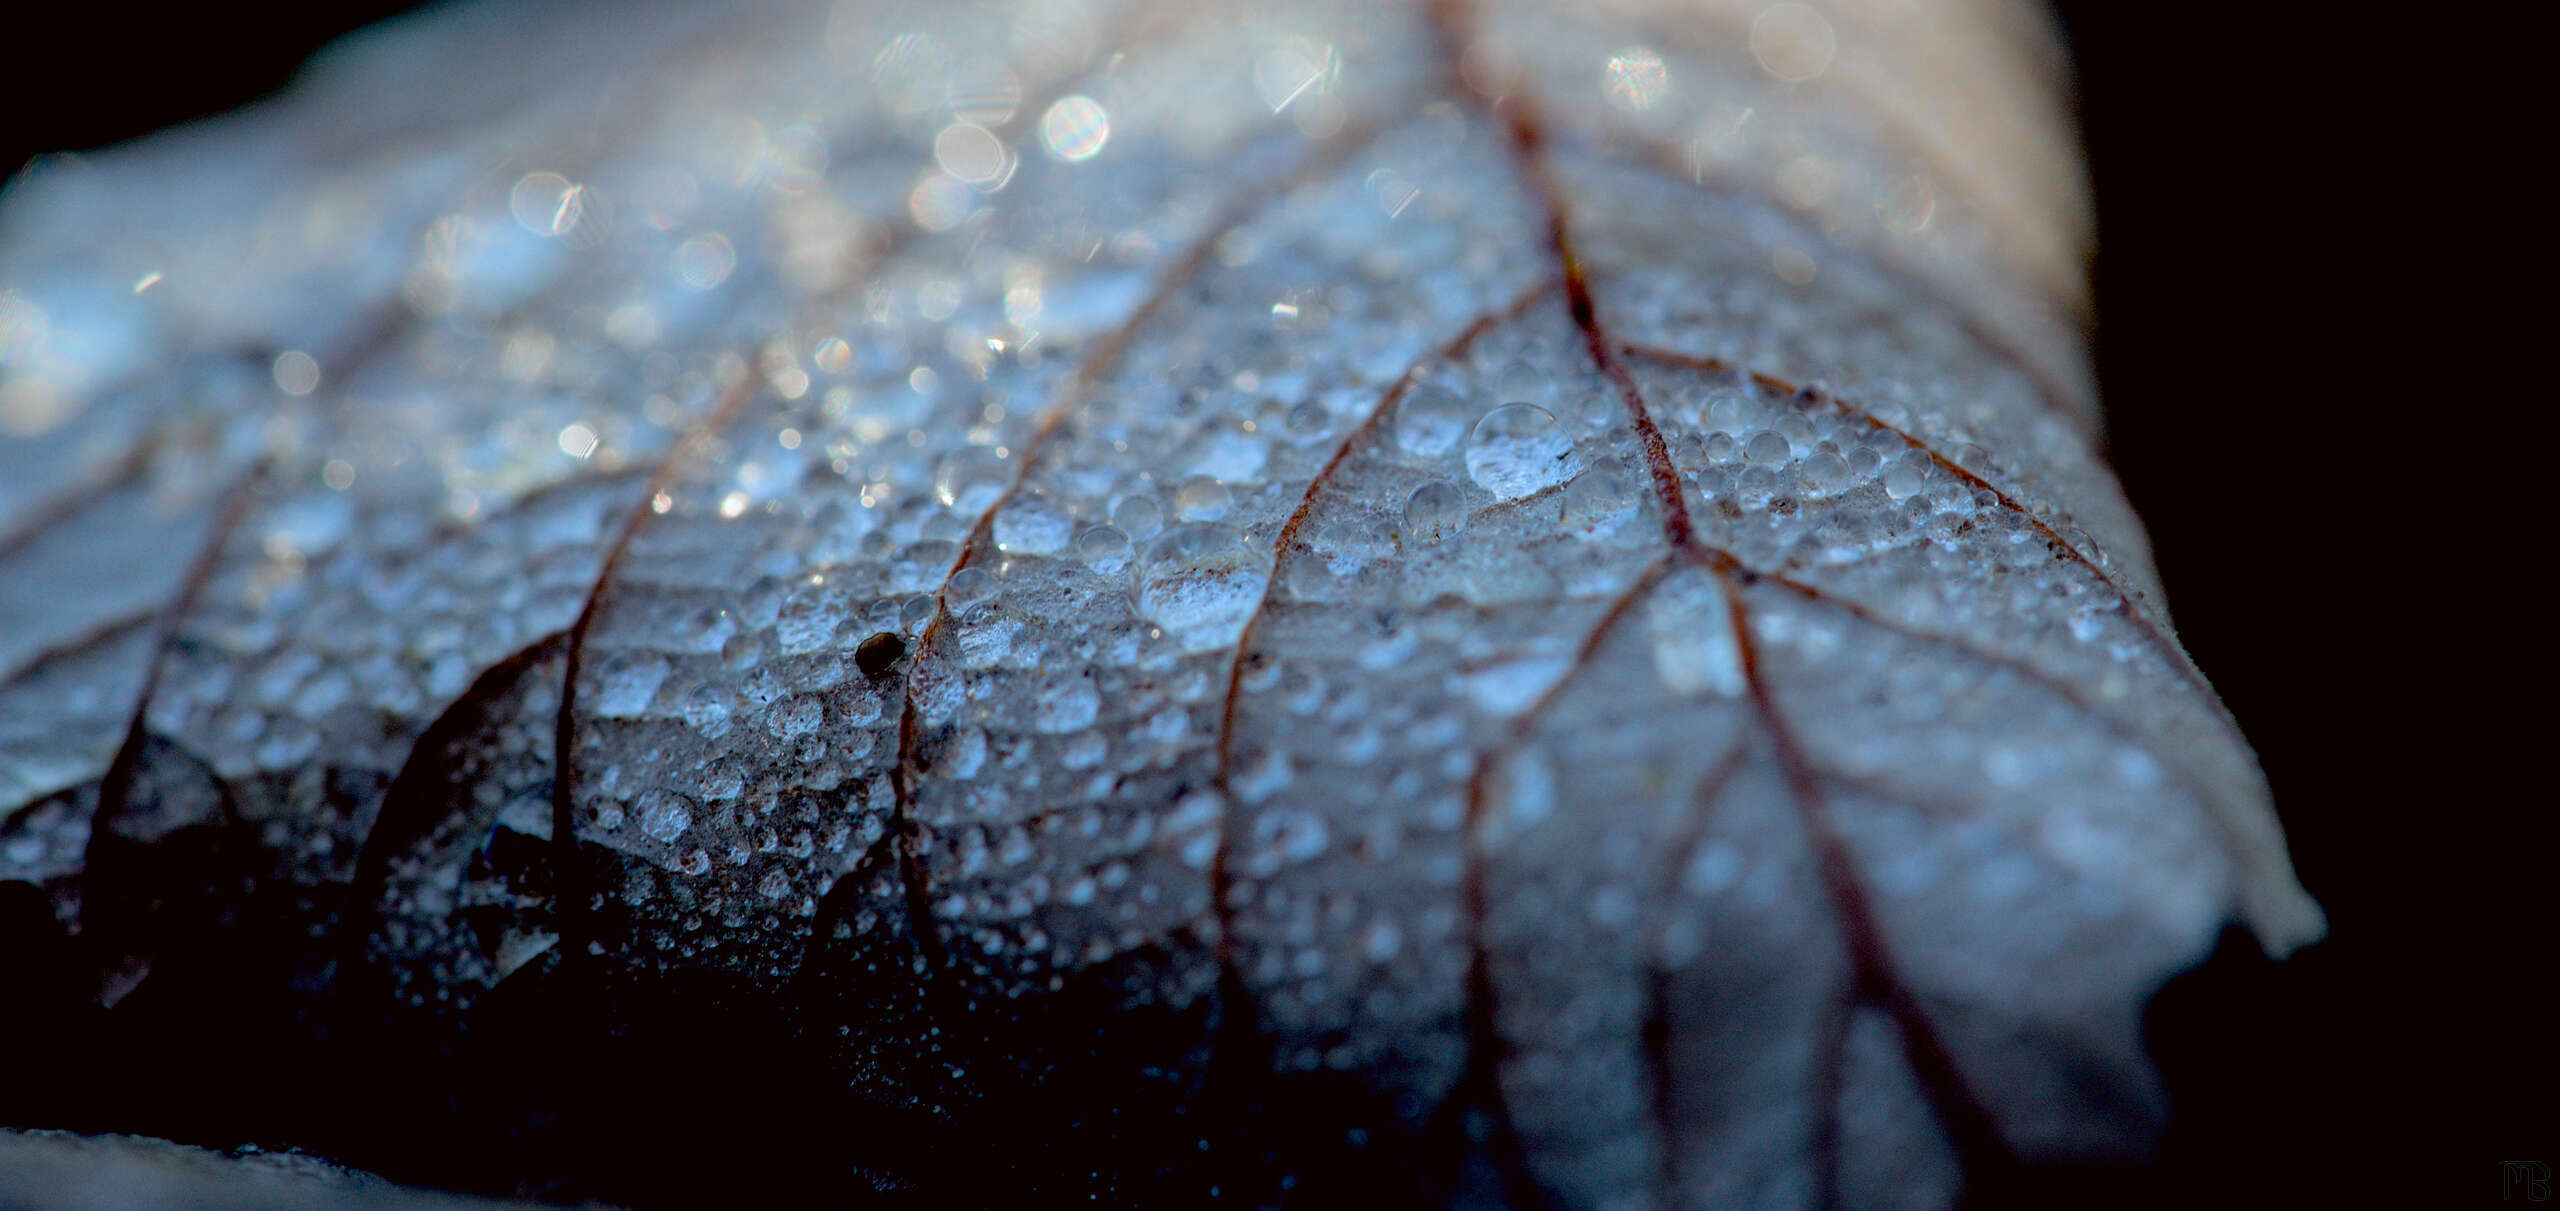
(1478, 606)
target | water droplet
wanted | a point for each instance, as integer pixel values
(914, 613)
(1289, 838)
(1767, 448)
(742, 652)
(1201, 498)
(1518, 449)
(1906, 478)
(971, 478)
(1103, 548)
(1139, 517)
(1066, 703)
(1032, 524)
(628, 682)
(1200, 582)
(1522, 381)
(707, 710)
(1597, 410)
(1825, 472)
(1508, 687)
(665, 815)
(1309, 421)
(1692, 632)
(799, 717)
(1522, 792)
(1601, 496)
(1430, 420)
(1435, 511)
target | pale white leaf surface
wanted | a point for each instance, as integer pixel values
(1538, 571)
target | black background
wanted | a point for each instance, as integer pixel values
(2275, 346)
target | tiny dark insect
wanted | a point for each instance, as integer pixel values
(879, 652)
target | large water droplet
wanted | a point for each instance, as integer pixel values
(1518, 449)
(1430, 420)
(1200, 582)
(1435, 511)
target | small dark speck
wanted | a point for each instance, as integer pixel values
(879, 653)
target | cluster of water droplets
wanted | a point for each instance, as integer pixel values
(1288, 627)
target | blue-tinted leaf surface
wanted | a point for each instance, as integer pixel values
(1507, 604)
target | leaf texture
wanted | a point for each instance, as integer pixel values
(1513, 603)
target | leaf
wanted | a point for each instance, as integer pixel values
(1507, 605)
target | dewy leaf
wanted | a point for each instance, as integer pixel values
(1505, 604)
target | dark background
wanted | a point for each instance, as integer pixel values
(2276, 349)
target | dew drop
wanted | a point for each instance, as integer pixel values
(1518, 449)
(1435, 511)
(1200, 581)
(1598, 410)
(1599, 497)
(665, 815)
(1202, 498)
(1826, 472)
(1767, 448)
(1309, 421)
(1522, 794)
(971, 478)
(1692, 632)
(914, 613)
(1905, 479)
(628, 683)
(1032, 525)
(1139, 517)
(1430, 420)
(1103, 548)
(742, 652)
(707, 710)
(1291, 837)
(1064, 704)
(1508, 687)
